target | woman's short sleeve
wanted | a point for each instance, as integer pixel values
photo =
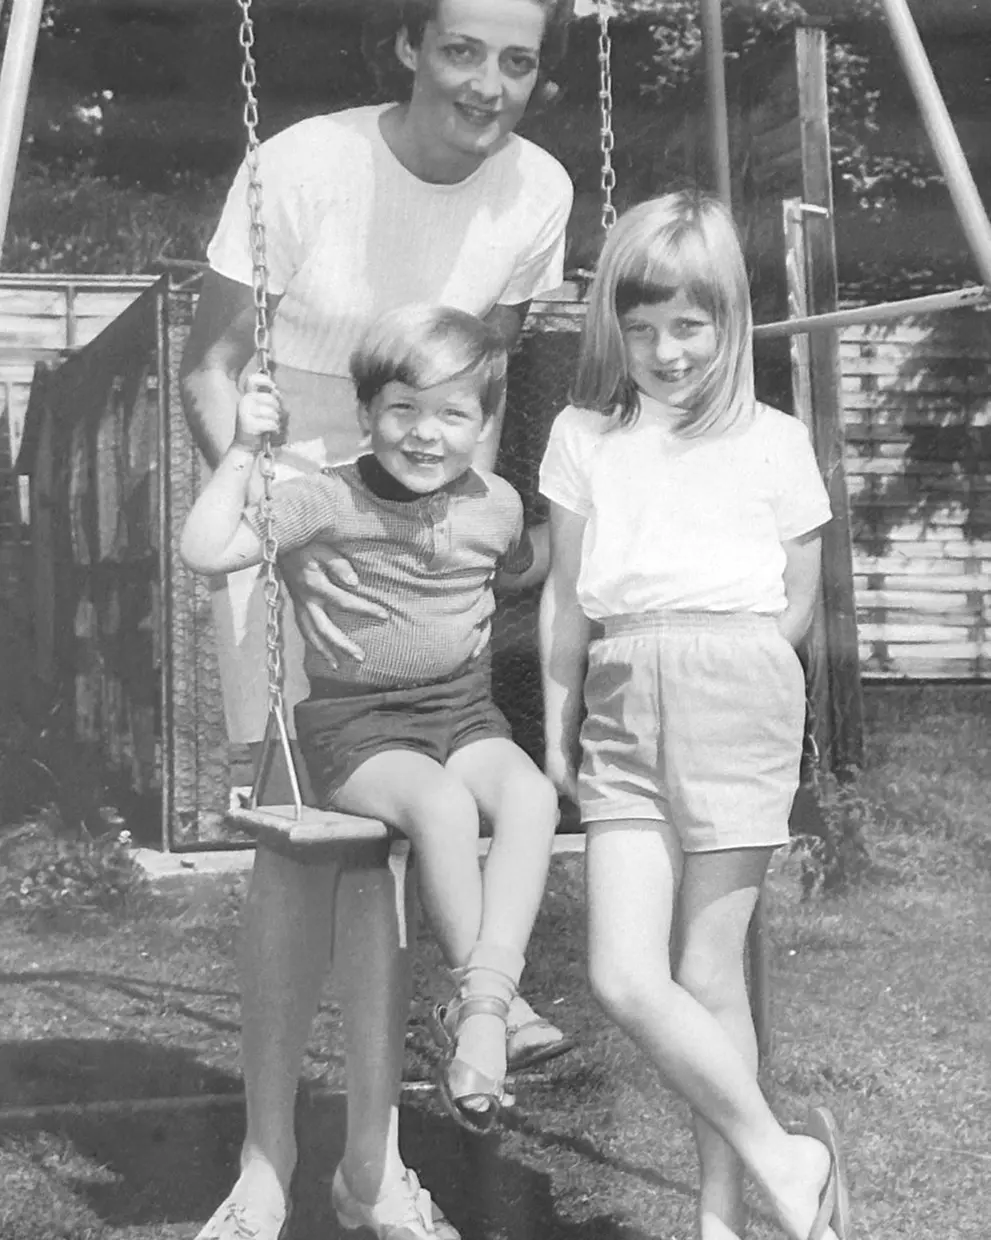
(229, 252)
(564, 470)
(802, 503)
(540, 267)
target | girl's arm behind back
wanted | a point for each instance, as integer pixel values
(564, 632)
(803, 560)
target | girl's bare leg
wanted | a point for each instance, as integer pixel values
(633, 870)
(716, 900)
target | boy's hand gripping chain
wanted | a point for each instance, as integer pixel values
(298, 828)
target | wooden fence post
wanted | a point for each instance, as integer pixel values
(846, 727)
(795, 212)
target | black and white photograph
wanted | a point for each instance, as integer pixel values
(495, 600)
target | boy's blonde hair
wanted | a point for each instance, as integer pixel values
(422, 346)
(682, 241)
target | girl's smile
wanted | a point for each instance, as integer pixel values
(669, 347)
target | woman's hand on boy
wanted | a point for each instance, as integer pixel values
(319, 577)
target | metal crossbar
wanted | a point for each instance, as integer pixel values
(957, 299)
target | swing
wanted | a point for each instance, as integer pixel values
(296, 830)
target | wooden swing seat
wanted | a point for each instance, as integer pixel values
(307, 833)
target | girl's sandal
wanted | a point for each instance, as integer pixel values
(834, 1201)
(459, 1083)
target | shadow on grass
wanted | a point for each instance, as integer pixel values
(172, 1167)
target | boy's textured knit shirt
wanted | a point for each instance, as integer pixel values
(428, 561)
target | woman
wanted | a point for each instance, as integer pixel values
(431, 200)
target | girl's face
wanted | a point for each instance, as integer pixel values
(474, 71)
(426, 437)
(669, 346)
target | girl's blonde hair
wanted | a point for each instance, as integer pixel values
(682, 241)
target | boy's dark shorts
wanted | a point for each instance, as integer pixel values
(336, 734)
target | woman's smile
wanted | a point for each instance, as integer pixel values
(474, 70)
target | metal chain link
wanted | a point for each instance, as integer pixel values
(263, 356)
(607, 140)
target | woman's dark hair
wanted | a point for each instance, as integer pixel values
(391, 16)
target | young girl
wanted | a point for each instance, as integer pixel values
(685, 557)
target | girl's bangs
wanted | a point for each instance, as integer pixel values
(664, 269)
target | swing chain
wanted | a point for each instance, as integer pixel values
(607, 139)
(262, 340)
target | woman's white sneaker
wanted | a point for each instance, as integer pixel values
(240, 1220)
(407, 1213)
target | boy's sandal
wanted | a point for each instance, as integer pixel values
(524, 1052)
(519, 1055)
(834, 1201)
(458, 1082)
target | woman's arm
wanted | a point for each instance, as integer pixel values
(221, 343)
(803, 558)
(564, 630)
(507, 321)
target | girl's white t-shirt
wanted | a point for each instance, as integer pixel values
(351, 233)
(678, 523)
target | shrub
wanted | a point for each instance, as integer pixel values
(838, 855)
(58, 881)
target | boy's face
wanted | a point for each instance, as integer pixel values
(426, 437)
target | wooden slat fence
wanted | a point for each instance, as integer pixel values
(917, 399)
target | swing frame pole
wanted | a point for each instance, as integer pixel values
(715, 97)
(15, 77)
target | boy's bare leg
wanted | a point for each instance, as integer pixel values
(521, 805)
(438, 815)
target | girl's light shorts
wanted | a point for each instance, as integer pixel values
(696, 719)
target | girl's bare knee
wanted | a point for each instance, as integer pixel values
(620, 986)
(715, 984)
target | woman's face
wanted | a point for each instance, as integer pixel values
(474, 70)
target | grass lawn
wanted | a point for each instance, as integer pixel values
(880, 1010)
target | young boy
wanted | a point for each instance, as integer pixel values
(410, 734)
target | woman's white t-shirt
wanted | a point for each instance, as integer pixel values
(351, 233)
(681, 523)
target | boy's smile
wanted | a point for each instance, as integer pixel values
(426, 437)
